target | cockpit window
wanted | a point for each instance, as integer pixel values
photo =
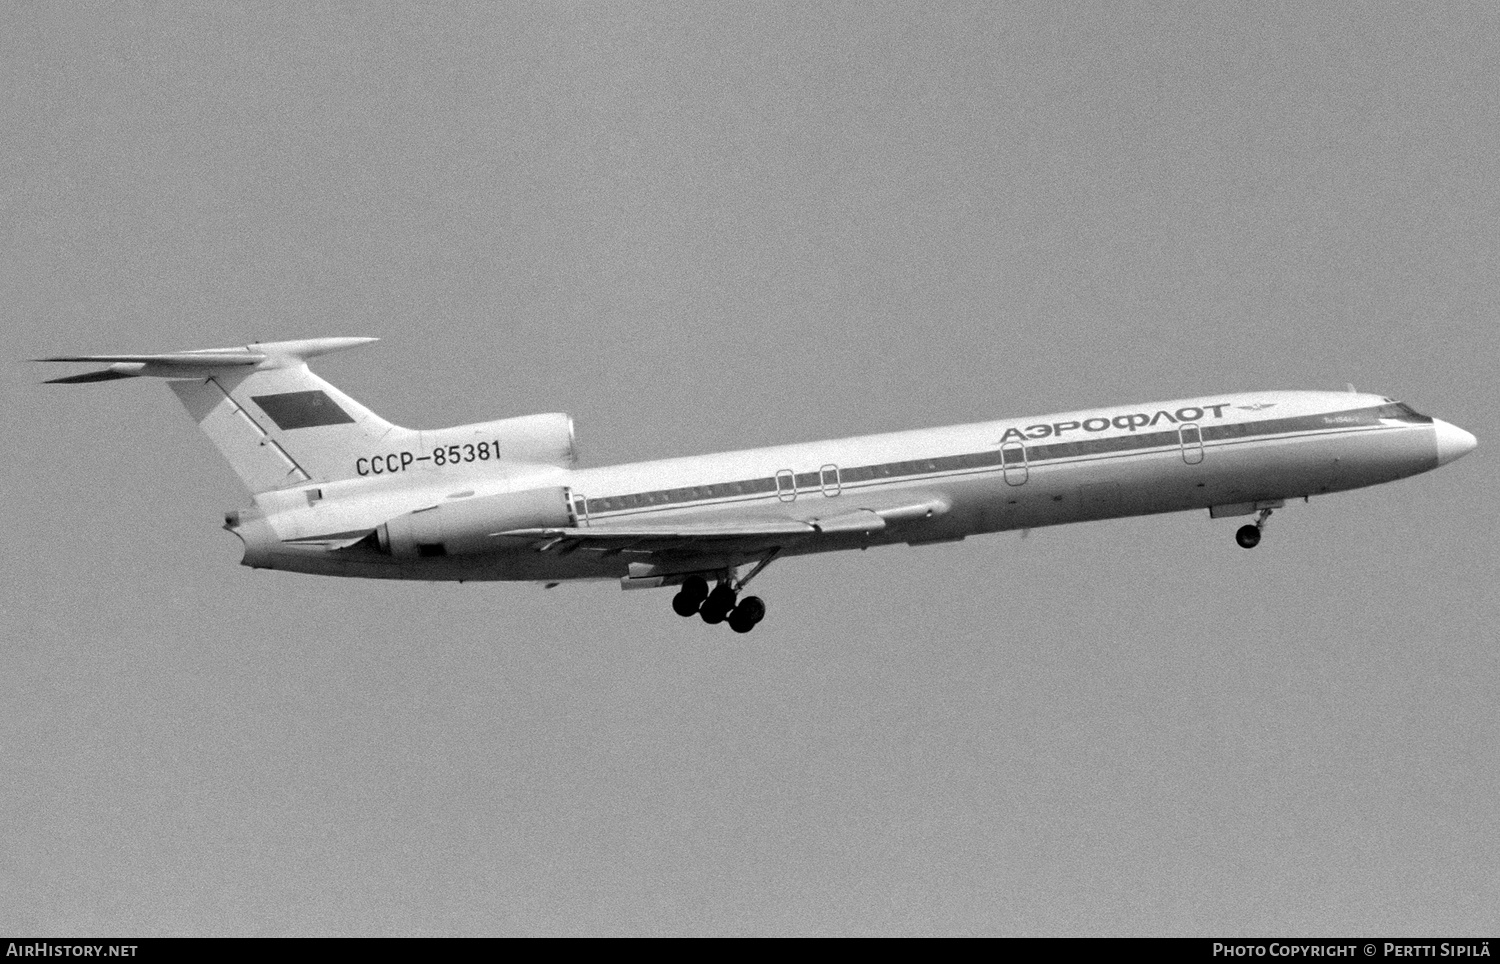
(1401, 412)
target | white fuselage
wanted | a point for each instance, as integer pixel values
(1232, 454)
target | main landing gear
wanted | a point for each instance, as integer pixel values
(722, 604)
(719, 606)
(1249, 536)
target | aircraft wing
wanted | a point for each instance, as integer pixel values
(727, 535)
(722, 535)
(712, 535)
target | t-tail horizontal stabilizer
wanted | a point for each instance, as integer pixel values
(204, 362)
(276, 422)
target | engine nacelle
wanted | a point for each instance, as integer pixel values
(538, 439)
(462, 526)
(529, 439)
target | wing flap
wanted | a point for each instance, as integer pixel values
(662, 538)
(876, 514)
(925, 507)
(725, 535)
(861, 520)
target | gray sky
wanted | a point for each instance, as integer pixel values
(701, 227)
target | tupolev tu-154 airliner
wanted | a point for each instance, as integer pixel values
(339, 491)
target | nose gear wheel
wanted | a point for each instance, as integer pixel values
(1248, 537)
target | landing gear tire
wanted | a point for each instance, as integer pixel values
(690, 597)
(749, 612)
(717, 606)
(1248, 537)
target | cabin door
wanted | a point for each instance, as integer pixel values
(828, 475)
(786, 485)
(1013, 463)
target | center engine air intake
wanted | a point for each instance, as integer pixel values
(463, 526)
(532, 439)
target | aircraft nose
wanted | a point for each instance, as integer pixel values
(1452, 441)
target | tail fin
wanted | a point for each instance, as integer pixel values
(276, 422)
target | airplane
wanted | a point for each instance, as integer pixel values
(337, 490)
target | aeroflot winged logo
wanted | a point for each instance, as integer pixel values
(1132, 421)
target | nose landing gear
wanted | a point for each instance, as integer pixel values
(1249, 536)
